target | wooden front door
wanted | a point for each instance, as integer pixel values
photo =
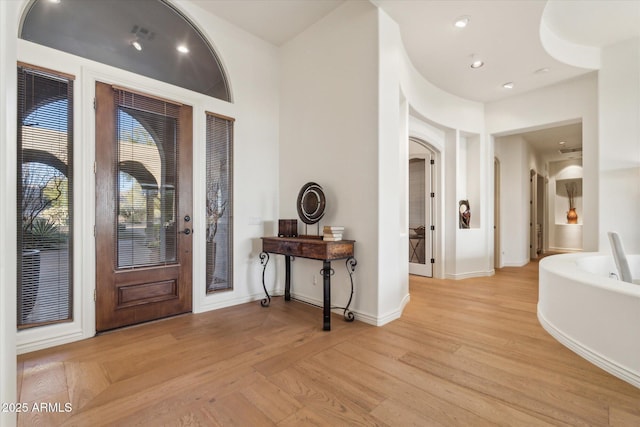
(143, 207)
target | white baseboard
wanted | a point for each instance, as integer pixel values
(216, 303)
(470, 275)
(360, 316)
(394, 315)
(516, 263)
(34, 342)
(567, 250)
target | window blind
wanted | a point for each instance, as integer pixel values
(44, 195)
(146, 179)
(219, 208)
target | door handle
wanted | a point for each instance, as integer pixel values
(186, 231)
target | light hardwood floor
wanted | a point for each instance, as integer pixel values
(467, 353)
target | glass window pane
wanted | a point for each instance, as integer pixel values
(147, 173)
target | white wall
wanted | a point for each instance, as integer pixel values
(554, 105)
(455, 118)
(328, 135)
(8, 85)
(255, 107)
(470, 173)
(334, 70)
(619, 153)
(512, 151)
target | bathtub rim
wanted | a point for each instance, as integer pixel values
(565, 266)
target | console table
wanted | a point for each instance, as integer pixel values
(311, 248)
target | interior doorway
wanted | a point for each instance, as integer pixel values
(422, 200)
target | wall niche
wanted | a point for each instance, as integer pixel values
(568, 195)
(565, 180)
(469, 178)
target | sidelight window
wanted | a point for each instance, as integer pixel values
(219, 209)
(45, 193)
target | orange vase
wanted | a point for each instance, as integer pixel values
(572, 216)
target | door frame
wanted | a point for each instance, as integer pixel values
(497, 248)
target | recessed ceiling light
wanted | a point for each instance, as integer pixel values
(183, 49)
(508, 85)
(136, 44)
(461, 22)
(54, 1)
(562, 142)
(541, 70)
(476, 62)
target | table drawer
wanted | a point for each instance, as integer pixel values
(282, 247)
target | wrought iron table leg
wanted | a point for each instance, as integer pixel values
(351, 267)
(264, 259)
(287, 278)
(326, 307)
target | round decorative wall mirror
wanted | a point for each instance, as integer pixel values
(311, 203)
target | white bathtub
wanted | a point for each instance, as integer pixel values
(596, 316)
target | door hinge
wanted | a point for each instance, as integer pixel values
(433, 162)
(95, 295)
(95, 167)
(433, 194)
(94, 104)
(94, 231)
(433, 260)
(433, 227)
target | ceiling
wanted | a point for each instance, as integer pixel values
(505, 34)
(548, 142)
(276, 21)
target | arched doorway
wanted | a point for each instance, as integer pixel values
(422, 208)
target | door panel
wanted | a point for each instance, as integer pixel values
(421, 210)
(143, 208)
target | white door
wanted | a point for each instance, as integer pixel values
(421, 209)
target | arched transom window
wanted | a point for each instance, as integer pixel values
(147, 37)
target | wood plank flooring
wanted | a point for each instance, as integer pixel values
(464, 353)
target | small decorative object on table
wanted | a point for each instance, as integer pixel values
(311, 204)
(332, 233)
(465, 214)
(287, 228)
(572, 215)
